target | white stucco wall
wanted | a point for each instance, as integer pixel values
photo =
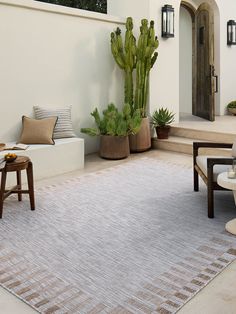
(185, 61)
(164, 85)
(138, 9)
(54, 56)
(227, 55)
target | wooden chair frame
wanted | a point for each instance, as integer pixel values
(211, 162)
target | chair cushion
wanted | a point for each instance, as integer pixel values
(217, 169)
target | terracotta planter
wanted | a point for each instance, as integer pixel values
(232, 111)
(163, 132)
(114, 147)
(141, 141)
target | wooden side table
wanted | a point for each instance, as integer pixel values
(21, 163)
(229, 184)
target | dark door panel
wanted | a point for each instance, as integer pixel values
(205, 95)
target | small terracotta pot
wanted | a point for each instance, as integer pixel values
(163, 132)
(114, 147)
(141, 141)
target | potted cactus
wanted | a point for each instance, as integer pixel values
(113, 128)
(142, 57)
(161, 120)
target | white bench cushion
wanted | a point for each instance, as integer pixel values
(217, 169)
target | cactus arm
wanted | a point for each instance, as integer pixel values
(129, 87)
(146, 58)
(117, 48)
(125, 56)
(138, 102)
(154, 58)
(145, 96)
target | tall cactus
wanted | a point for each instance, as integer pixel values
(146, 58)
(125, 57)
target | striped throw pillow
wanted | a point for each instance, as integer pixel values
(63, 126)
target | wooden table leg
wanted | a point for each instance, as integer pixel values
(18, 178)
(2, 190)
(30, 178)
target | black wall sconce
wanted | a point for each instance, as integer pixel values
(168, 21)
(231, 32)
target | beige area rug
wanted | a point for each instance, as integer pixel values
(130, 239)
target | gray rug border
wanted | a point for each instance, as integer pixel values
(18, 297)
(207, 283)
(177, 310)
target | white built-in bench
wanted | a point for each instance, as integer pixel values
(50, 160)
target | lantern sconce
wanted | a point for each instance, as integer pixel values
(231, 33)
(168, 21)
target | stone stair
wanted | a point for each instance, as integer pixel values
(181, 140)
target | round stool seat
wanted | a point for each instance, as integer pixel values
(20, 163)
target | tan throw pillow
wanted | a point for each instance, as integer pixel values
(37, 131)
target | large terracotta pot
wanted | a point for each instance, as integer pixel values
(141, 141)
(163, 132)
(232, 111)
(114, 147)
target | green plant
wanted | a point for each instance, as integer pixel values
(232, 104)
(145, 59)
(142, 56)
(115, 123)
(91, 5)
(162, 117)
(125, 56)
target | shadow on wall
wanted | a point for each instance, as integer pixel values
(99, 79)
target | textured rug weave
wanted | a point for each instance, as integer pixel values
(130, 239)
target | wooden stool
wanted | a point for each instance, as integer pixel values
(21, 163)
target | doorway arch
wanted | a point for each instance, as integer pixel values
(187, 58)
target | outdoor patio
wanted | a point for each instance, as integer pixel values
(102, 209)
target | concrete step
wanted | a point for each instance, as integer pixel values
(203, 135)
(185, 145)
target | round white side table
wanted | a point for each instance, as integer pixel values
(229, 184)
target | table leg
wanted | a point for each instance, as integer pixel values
(30, 178)
(2, 190)
(231, 225)
(19, 185)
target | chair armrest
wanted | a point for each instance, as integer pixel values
(219, 161)
(197, 145)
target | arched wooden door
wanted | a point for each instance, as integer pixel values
(205, 72)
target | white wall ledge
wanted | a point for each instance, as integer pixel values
(58, 9)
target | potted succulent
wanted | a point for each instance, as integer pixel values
(113, 128)
(232, 107)
(140, 56)
(161, 120)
